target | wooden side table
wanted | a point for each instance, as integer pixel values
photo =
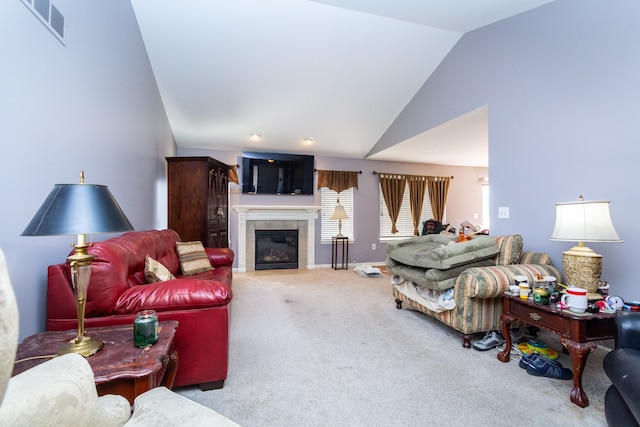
(120, 367)
(337, 242)
(578, 333)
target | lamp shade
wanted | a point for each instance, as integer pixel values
(339, 213)
(584, 221)
(78, 209)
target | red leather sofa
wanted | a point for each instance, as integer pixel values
(118, 290)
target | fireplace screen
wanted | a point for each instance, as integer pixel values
(276, 249)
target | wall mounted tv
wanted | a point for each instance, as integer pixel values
(277, 173)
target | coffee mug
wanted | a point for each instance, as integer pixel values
(576, 299)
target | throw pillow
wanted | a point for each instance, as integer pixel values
(510, 249)
(193, 258)
(156, 272)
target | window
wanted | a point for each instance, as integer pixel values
(329, 227)
(404, 222)
(485, 207)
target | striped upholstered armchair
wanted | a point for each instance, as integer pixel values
(478, 291)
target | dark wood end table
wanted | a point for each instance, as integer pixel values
(336, 242)
(120, 367)
(578, 333)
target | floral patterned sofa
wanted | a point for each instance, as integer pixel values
(467, 294)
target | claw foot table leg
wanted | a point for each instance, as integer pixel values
(505, 322)
(579, 353)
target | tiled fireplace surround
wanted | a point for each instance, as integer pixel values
(301, 218)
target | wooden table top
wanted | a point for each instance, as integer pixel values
(551, 308)
(119, 358)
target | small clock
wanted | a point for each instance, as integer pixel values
(615, 302)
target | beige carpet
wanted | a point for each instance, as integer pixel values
(329, 348)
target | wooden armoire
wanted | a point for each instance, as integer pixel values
(198, 200)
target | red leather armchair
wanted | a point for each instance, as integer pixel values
(118, 290)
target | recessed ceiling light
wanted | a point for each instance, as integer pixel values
(255, 136)
(309, 140)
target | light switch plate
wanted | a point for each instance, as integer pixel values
(503, 212)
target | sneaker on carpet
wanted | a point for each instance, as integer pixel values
(491, 339)
(514, 353)
(542, 367)
(519, 335)
(528, 360)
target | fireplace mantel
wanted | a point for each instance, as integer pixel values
(276, 213)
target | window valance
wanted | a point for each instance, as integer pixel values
(337, 180)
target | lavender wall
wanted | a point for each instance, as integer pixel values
(561, 85)
(464, 199)
(91, 104)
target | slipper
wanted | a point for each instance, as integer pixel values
(541, 348)
(542, 367)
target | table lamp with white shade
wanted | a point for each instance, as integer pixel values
(339, 214)
(583, 221)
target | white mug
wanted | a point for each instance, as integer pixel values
(576, 299)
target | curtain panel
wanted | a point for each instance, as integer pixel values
(417, 189)
(438, 189)
(233, 174)
(392, 187)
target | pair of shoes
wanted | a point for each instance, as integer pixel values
(542, 367)
(519, 335)
(491, 339)
(514, 353)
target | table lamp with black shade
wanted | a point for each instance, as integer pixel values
(79, 210)
(583, 221)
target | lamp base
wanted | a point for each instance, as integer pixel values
(85, 346)
(582, 268)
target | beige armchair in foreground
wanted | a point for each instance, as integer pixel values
(62, 391)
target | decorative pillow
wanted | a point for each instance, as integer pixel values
(510, 249)
(193, 258)
(156, 272)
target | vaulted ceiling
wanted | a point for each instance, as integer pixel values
(337, 71)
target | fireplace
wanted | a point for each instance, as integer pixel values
(253, 217)
(276, 249)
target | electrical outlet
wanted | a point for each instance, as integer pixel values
(373, 246)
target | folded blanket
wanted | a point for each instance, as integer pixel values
(433, 278)
(441, 251)
(435, 300)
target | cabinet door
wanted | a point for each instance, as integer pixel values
(218, 208)
(218, 238)
(223, 199)
(213, 217)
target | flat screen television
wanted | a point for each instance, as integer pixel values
(277, 173)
